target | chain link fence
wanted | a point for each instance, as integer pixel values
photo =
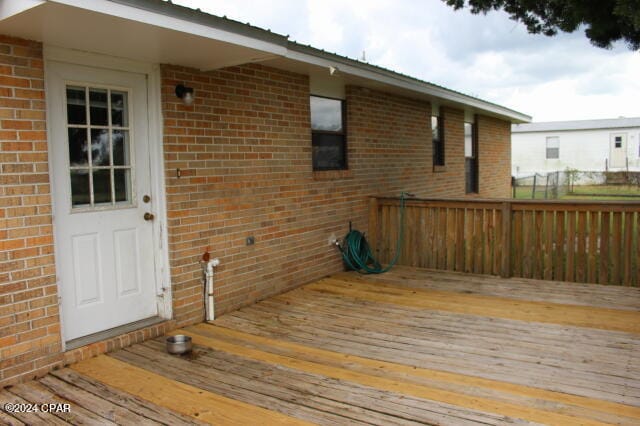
(556, 185)
(542, 187)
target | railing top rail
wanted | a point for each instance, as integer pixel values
(581, 205)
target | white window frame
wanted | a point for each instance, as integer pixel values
(557, 147)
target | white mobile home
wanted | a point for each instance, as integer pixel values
(586, 145)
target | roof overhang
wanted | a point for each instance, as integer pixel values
(121, 30)
(366, 75)
(160, 32)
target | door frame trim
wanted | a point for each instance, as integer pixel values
(164, 297)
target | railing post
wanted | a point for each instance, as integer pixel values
(505, 269)
(373, 224)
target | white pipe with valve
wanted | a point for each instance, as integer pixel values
(209, 302)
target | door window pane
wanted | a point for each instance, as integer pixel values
(99, 110)
(76, 105)
(100, 147)
(78, 155)
(100, 162)
(119, 112)
(121, 182)
(618, 141)
(80, 190)
(101, 186)
(120, 141)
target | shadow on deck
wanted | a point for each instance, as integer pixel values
(408, 347)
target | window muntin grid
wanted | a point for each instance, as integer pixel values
(99, 140)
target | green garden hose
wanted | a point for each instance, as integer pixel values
(356, 252)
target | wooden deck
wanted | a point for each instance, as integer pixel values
(407, 347)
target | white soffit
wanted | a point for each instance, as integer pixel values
(132, 36)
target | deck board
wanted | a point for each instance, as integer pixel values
(616, 297)
(404, 348)
(578, 378)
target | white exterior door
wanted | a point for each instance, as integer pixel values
(618, 151)
(102, 190)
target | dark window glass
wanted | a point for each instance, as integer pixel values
(120, 141)
(98, 107)
(121, 183)
(101, 186)
(328, 134)
(119, 113)
(76, 105)
(471, 158)
(100, 147)
(437, 137)
(328, 152)
(553, 147)
(80, 190)
(78, 155)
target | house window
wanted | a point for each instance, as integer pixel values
(328, 136)
(471, 158)
(618, 141)
(553, 147)
(437, 137)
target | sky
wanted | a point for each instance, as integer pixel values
(487, 56)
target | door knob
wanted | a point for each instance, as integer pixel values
(148, 216)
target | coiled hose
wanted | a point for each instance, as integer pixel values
(356, 252)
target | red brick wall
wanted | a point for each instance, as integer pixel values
(244, 153)
(448, 180)
(494, 146)
(494, 142)
(29, 323)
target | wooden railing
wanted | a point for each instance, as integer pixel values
(591, 242)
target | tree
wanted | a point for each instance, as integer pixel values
(605, 21)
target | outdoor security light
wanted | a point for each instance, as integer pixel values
(185, 93)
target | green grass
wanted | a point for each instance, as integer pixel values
(523, 193)
(599, 198)
(607, 190)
